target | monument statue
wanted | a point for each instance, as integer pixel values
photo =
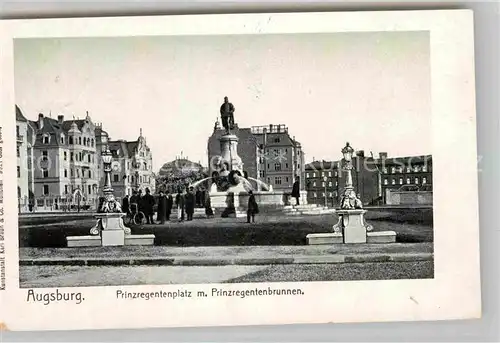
(227, 114)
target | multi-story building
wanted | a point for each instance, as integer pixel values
(132, 166)
(325, 180)
(405, 173)
(24, 155)
(268, 153)
(372, 178)
(59, 163)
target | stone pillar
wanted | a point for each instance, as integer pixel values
(229, 152)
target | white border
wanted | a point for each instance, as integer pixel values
(454, 293)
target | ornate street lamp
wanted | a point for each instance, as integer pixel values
(349, 199)
(110, 204)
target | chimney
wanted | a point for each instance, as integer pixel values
(60, 119)
(360, 153)
(40, 120)
(382, 155)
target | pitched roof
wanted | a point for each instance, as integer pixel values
(19, 115)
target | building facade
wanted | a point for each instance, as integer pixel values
(373, 178)
(408, 173)
(132, 167)
(325, 180)
(269, 154)
(59, 164)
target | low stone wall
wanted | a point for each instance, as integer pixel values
(221, 200)
(408, 197)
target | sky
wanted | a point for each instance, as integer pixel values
(369, 88)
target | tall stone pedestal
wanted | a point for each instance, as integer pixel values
(229, 152)
(352, 225)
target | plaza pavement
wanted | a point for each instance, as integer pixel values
(226, 255)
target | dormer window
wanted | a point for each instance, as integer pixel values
(62, 139)
(46, 139)
(70, 140)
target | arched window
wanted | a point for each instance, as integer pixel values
(145, 166)
(92, 142)
(80, 140)
(70, 140)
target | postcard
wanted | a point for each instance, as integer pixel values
(238, 169)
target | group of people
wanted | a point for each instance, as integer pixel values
(184, 202)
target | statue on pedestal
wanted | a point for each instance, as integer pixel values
(227, 115)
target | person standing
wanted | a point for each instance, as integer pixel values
(179, 202)
(169, 204)
(190, 203)
(126, 205)
(147, 206)
(253, 208)
(208, 206)
(296, 190)
(161, 211)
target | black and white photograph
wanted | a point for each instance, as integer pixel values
(243, 162)
(152, 160)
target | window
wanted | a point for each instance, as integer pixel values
(45, 155)
(315, 195)
(18, 171)
(90, 174)
(408, 180)
(145, 166)
(78, 173)
(277, 180)
(276, 140)
(88, 158)
(329, 174)
(416, 169)
(393, 170)
(90, 189)
(92, 142)
(424, 168)
(408, 169)
(80, 156)
(286, 165)
(314, 184)
(17, 131)
(277, 166)
(18, 151)
(384, 170)
(323, 194)
(70, 140)
(83, 173)
(276, 152)
(394, 181)
(46, 139)
(115, 178)
(132, 178)
(314, 174)
(268, 167)
(71, 156)
(65, 172)
(287, 179)
(386, 182)
(71, 172)
(262, 173)
(336, 174)
(322, 184)
(45, 173)
(330, 184)
(307, 175)
(400, 180)
(268, 180)
(66, 189)
(416, 180)
(424, 180)
(45, 189)
(65, 154)
(80, 140)
(62, 139)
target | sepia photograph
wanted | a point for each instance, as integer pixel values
(233, 158)
(220, 170)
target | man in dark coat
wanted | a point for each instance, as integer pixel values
(126, 205)
(253, 208)
(296, 190)
(179, 202)
(190, 202)
(162, 208)
(169, 204)
(147, 206)
(227, 114)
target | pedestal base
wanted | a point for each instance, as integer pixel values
(324, 238)
(113, 238)
(352, 225)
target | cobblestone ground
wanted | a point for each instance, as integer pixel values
(68, 276)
